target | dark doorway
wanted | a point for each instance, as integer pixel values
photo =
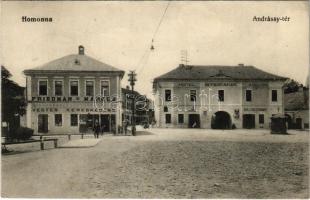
(298, 123)
(289, 121)
(105, 122)
(249, 121)
(42, 123)
(221, 120)
(113, 123)
(193, 121)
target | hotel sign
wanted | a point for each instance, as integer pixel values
(220, 84)
(188, 85)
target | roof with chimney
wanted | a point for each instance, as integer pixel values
(75, 62)
(207, 72)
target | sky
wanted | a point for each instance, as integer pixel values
(120, 34)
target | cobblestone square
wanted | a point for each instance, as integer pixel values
(166, 163)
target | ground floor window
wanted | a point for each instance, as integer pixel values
(181, 118)
(106, 122)
(168, 118)
(261, 119)
(74, 119)
(58, 119)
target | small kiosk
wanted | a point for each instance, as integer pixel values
(278, 124)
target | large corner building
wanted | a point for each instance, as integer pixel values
(219, 97)
(73, 92)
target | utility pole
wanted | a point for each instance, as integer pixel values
(132, 79)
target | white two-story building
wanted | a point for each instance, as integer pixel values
(69, 94)
(219, 97)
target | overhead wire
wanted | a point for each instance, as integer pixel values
(148, 50)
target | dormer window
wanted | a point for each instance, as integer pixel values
(81, 50)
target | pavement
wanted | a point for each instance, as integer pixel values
(81, 143)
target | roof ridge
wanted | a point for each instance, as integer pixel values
(218, 71)
(75, 62)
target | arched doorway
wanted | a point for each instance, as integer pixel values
(221, 120)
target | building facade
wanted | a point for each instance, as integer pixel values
(297, 108)
(144, 112)
(219, 97)
(70, 94)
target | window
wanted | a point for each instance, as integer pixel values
(180, 118)
(274, 95)
(261, 119)
(165, 109)
(193, 95)
(74, 120)
(167, 95)
(221, 95)
(248, 95)
(104, 88)
(58, 119)
(58, 88)
(42, 88)
(74, 88)
(168, 118)
(89, 88)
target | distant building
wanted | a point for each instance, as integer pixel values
(143, 107)
(70, 94)
(219, 97)
(297, 108)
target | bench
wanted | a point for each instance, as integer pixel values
(55, 140)
(60, 134)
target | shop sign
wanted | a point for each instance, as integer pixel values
(72, 110)
(68, 99)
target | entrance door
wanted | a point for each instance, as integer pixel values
(298, 123)
(193, 121)
(105, 121)
(249, 121)
(42, 123)
(289, 121)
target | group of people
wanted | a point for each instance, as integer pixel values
(98, 129)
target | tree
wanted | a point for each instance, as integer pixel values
(13, 104)
(291, 86)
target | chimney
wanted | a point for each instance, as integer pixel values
(81, 50)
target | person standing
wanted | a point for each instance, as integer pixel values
(96, 130)
(125, 124)
(102, 129)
